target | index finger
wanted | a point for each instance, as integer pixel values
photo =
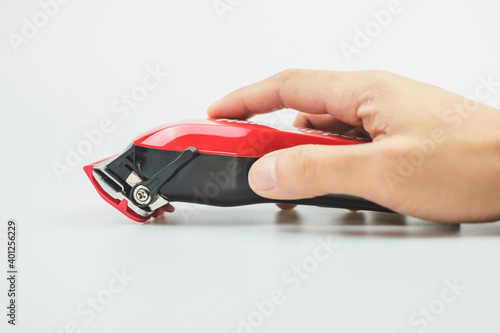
(312, 91)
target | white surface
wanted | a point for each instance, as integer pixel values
(201, 272)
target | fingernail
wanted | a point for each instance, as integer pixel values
(263, 174)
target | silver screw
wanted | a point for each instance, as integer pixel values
(141, 195)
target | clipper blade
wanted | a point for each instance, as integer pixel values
(112, 192)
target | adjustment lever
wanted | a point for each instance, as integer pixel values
(146, 192)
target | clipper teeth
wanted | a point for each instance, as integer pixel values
(113, 192)
(104, 178)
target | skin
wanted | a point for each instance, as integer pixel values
(434, 155)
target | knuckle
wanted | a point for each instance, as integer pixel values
(375, 85)
(287, 76)
(375, 91)
(283, 81)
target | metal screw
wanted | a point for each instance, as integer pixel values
(141, 195)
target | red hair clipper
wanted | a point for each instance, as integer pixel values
(204, 162)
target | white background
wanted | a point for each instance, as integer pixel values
(200, 269)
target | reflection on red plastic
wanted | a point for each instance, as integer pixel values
(236, 137)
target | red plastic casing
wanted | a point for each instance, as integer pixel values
(228, 137)
(232, 137)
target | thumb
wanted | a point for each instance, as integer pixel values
(312, 170)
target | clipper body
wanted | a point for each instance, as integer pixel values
(204, 162)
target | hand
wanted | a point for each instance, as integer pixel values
(434, 155)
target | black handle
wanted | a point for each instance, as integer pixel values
(222, 180)
(341, 201)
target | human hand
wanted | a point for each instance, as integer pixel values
(434, 155)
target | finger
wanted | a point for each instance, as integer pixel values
(286, 206)
(313, 170)
(326, 122)
(323, 122)
(337, 93)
